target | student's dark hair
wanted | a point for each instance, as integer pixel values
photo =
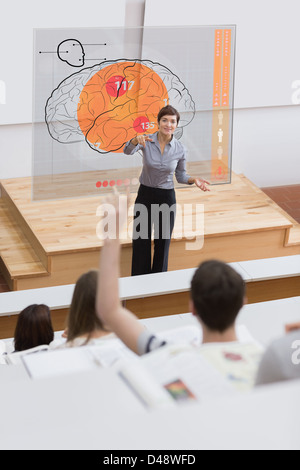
(217, 292)
(34, 328)
(82, 318)
(168, 111)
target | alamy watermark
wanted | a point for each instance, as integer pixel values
(296, 354)
(296, 92)
(187, 219)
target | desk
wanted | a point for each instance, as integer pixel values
(265, 320)
(160, 294)
(108, 416)
(95, 410)
(151, 285)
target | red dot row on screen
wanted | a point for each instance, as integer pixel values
(113, 183)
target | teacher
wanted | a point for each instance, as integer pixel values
(163, 155)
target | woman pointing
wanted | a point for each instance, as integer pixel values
(163, 155)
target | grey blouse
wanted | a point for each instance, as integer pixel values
(158, 169)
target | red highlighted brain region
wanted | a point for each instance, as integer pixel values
(110, 103)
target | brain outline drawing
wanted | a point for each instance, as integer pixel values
(109, 103)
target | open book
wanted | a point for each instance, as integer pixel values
(185, 371)
(172, 375)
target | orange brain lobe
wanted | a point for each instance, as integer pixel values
(110, 103)
(119, 102)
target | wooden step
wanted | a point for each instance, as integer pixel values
(293, 238)
(17, 257)
(69, 225)
(21, 219)
(59, 236)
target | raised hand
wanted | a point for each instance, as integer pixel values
(114, 212)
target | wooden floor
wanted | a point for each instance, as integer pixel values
(287, 197)
(48, 243)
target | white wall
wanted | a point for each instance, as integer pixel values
(266, 143)
(134, 13)
(266, 47)
(15, 151)
(17, 40)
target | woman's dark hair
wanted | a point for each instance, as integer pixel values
(168, 111)
(217, 292)
(34, 328)
(82, 318)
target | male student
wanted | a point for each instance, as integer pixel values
(281, 360)
(217, 295)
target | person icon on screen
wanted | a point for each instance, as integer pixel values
(71, 51)
(220, 135)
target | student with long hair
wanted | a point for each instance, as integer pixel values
(83, 324)
(34, 328)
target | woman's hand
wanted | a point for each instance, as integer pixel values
(200, 183)
(141, 140)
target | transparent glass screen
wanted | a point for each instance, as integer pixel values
(95, 89)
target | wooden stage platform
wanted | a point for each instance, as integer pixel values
(49, 243)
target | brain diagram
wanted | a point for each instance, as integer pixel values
(110, 103)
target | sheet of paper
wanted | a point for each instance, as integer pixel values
(59, 362)
(181, 363)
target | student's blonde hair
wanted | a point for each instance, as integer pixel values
(82, 318)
